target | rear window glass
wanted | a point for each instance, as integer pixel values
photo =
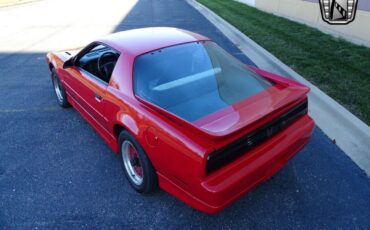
(194, 80)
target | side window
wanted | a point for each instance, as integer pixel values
(99, 61)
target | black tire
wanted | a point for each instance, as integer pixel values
(149, 181)
(59, 91)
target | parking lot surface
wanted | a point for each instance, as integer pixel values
(56, 172)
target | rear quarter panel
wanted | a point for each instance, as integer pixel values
(174, 150)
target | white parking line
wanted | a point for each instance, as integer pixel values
(46, 109)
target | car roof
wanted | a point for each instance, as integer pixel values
(139, 41)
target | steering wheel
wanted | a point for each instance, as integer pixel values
(101, 61)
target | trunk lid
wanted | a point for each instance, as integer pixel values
(249, 113)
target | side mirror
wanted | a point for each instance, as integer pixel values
(69, 63)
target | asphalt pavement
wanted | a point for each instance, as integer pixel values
(56, 172)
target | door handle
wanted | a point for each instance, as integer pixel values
(97, 97)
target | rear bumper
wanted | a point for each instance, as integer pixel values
(224, 186)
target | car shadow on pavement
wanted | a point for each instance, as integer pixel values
(56, 172)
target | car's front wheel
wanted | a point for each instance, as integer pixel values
(59, 91)
(136, 165)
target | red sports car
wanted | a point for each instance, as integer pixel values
(184, 114)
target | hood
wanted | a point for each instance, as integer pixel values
(66, 54)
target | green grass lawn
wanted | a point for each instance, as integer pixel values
(339, 68)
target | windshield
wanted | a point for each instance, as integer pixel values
(194, 80)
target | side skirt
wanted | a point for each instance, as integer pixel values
(108, 138)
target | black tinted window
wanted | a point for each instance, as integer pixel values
(99, 61)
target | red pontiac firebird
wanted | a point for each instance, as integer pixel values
(184, 114)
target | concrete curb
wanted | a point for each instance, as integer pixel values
(350, 133)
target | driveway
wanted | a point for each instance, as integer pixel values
(56, 172)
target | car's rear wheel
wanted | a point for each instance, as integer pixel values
(59, 90)
(136, 165)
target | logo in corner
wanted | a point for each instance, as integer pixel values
(338, 12)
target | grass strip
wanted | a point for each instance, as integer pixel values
(339, 68)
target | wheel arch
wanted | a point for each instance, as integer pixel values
(117, 129)
(51, 66)
(126, 123)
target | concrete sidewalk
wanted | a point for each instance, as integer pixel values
(350, 133)
(55, 172)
